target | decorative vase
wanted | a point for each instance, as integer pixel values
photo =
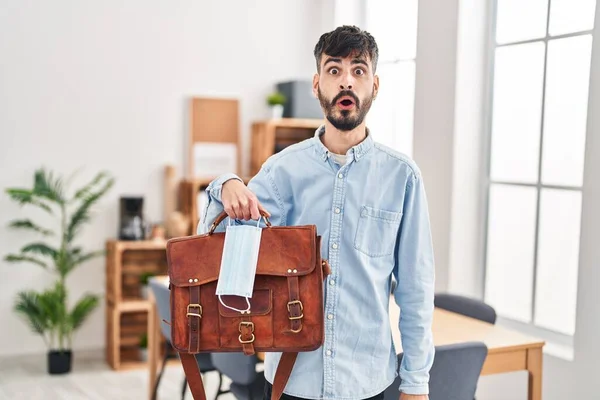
(59, 361)
(277, 111)
(143, 354)
(144, 292)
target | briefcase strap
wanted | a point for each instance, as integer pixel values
(192, 374)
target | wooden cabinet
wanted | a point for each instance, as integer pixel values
(130, 316)
(272, 136)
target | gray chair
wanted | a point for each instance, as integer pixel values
(163, 304)
(454, 374)
(466, 306)
(246, 382)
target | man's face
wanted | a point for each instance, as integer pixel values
(345, 88)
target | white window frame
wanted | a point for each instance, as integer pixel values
(558, 344)
(358, 12)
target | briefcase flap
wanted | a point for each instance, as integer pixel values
(284, 251)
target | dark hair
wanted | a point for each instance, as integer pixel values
(346, 40)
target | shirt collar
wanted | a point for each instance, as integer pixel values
(357, 152)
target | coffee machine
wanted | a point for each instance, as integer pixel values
(131, 224)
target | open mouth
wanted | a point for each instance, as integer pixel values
(346, 103)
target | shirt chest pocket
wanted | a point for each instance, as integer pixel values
(376, 231)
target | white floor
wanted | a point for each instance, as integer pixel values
(91, 378)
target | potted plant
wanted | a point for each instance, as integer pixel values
(276, 101)
(47, 312)
(144, 278)
(143, 345)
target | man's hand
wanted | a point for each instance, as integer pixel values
(405, 396)
(239, 202)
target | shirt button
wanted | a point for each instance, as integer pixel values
(330, 316)
(332, 282)
(328, 352)
(337, 210)
(340, 176)
(335, 246)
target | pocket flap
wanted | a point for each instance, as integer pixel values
(392, 216)
(260, 304)
(196, 260)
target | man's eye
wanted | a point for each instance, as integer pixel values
(333, 71)
(360, 71)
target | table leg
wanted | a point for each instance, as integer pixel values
(534, 366)
(153, 347)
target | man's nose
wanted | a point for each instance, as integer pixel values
(347, 82)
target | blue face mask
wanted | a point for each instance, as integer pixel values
(238, 263)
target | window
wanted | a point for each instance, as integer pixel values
(539, 93)
(394, 27)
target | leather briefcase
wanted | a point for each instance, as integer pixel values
(286, 313)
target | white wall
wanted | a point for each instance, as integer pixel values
(105, 84)
(434, 119)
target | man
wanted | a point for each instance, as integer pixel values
(369, 205)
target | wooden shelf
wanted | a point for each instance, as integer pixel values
(188, 194)
(292, 123)
(129, 316)
(271, 136)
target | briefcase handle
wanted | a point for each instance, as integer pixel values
(223, 215)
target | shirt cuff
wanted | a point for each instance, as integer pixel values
(415, 389)
(214, 188)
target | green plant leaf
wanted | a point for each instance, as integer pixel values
(87, 190)
(80, 259)
(23, 258)
(28, 306)
(82, 214)
(82, 310)
(28, 224)
(41, 249)
(144, 340)
(48, 187)
(25, 196)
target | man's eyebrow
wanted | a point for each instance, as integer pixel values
(360, 61)
(332, 59)
(339, 60)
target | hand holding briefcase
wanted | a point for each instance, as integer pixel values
(286, 307)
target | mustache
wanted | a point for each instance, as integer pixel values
(345, 93)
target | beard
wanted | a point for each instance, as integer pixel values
(345, 120)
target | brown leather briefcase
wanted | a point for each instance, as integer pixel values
(286, 313)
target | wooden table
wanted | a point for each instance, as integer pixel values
(508, 350)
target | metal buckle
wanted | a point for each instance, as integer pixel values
(251, 325)
(295, 302)
(246, 323)
(246, 341)
(199, 314)
(301, 309)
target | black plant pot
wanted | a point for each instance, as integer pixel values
(59, 361)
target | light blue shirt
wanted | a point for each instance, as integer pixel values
(373, 218)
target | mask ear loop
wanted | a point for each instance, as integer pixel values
(247, 310)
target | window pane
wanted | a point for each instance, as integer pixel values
(565, 117)
(521, 20)
(558, 262)
(511, 241)
(391, 116)
(568, 16)
(517, 111)
(393, 24)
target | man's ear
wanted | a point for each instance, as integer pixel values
(375, 86)
(315, 85)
